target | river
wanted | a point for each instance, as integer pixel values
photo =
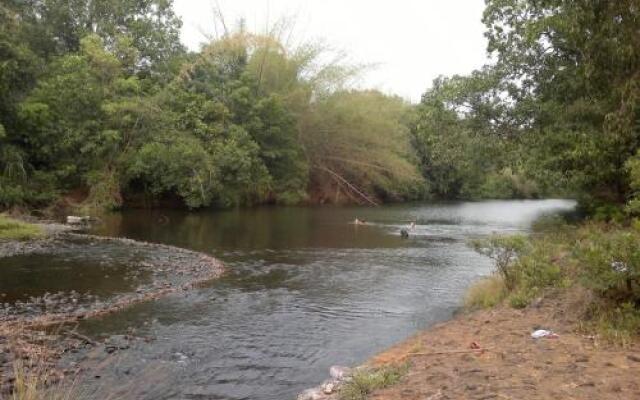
(305, 289)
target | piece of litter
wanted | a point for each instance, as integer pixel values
(543, 333)
(339, 373)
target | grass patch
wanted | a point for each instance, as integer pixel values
(12, 229)
(486, 293)
(364, 382)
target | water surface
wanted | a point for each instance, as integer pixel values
(305, 290)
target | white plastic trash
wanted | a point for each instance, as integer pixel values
(339, 373)
(543, 333)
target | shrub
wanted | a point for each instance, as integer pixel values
(525, 266)
(539, 268)
(611, 263)
(521, 298)
(503, 250)
(608, 213)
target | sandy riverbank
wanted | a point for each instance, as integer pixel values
(443, 363)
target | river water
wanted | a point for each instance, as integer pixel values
(305, 290)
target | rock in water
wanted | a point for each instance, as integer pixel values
(74, 220)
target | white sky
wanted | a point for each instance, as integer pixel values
(410, 41)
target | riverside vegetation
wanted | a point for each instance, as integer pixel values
(101, 107)
(12, 229)
(597, 263)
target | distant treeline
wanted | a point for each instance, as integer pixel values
(101, 105)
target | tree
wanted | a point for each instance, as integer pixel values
(468, 139)
(57, 27)
(357, 144)
(575, 64)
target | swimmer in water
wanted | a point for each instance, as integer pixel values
(358, 221)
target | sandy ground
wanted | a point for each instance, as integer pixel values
(510, 364)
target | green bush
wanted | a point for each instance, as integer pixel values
(611, 263)
(526, 267)
(608, 213)
(537, 269)
(521, 298)
(504, 251)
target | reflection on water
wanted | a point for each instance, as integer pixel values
(305, 290)
(103, 269)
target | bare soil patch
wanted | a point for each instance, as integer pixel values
(491, 355)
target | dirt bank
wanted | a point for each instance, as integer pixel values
(444, 363)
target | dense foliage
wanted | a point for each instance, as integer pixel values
(101, 104)
(466, 143)
(557, 113)
(573, 67)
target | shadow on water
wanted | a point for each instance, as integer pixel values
(305, 290)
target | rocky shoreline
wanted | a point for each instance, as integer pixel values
(38, 330)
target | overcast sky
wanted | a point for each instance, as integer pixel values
(410, 41)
